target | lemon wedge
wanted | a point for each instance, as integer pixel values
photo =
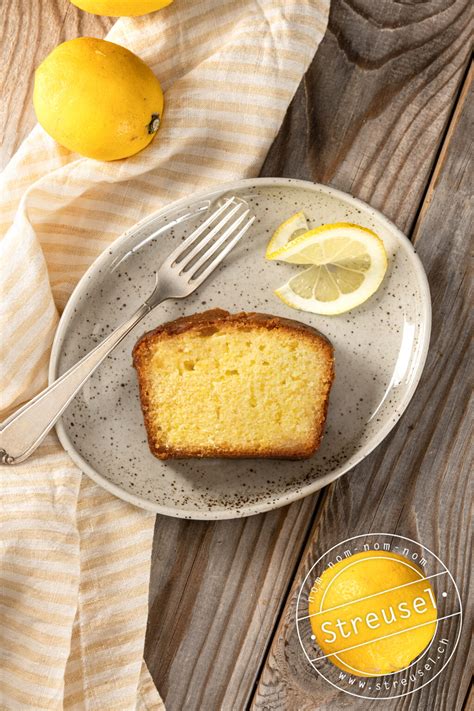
(347, 265)
(287, 231)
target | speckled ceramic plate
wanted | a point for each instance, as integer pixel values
(380, 352)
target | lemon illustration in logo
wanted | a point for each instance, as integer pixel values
(372, 613)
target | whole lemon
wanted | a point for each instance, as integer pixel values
(98, 99)
(372, 613)
(121, 8)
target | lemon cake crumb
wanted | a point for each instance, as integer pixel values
(243, 385)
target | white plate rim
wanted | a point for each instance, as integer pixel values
(307, 489)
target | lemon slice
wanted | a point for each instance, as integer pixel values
(288, 230)
(348, 263)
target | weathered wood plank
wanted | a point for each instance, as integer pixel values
(30, 30)
(375, 102)
(469, 702)
(215, 591)
(418, 483)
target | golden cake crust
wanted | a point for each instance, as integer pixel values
(207, 323)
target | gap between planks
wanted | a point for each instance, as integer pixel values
(443, 150)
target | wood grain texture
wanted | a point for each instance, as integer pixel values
(469, 703)
(216, 589)
(417, 483)
(374, 104)
(30, 31)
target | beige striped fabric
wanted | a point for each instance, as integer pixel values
(74, 583)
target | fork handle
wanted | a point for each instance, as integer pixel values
(25, 429)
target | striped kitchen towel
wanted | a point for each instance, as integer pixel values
(74, 583)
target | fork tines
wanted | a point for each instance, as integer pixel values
(207, 246)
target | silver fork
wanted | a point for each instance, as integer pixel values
(181, 273)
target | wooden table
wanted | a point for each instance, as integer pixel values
(385, 112)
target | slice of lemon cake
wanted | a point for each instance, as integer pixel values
(234, 385)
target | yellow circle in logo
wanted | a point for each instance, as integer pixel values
(372, 613)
